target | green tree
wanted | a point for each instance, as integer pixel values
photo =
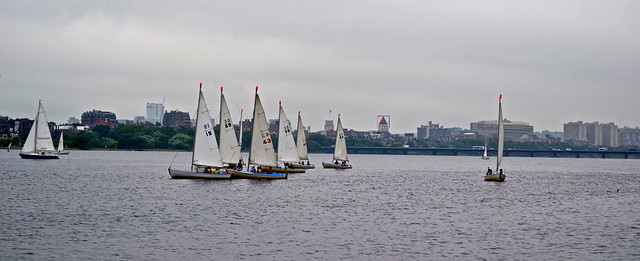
(102, 130)
(180, 141)
(84, 140)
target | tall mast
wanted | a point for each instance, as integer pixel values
(193, 154)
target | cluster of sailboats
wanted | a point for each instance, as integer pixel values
(222, 160)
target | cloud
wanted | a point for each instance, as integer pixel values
(414, 60)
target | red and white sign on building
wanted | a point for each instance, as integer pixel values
(384, 123)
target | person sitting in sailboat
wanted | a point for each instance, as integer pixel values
(489, 171)
(501, 173)
(239, 165)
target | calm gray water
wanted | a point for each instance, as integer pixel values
(94, 205)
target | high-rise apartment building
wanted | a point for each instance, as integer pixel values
(610, 135)
(575, 131)
(629, 136)
(594, 133)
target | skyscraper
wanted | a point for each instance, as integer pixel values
(155, 112)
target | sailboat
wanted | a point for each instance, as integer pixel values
(261, 153)
(39, 144)
(9, 147)
(484, 155)
(340, 159)
(61, 150)
(205, 158)
(287, 150)
(301, 144)
(499, 175)
(229, 146)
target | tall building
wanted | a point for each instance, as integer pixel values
(155, 113)
(610, 135)
(328, 126)
(424, 131)
(629, 136)
(575, 131)
(176, 119)
(97, 117)
(513, 130)
(594, 133)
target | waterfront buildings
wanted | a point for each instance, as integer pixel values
(513, 130)
(593, 133)
(628, 136)
(424, 131)
(176, 119)
(97, 117)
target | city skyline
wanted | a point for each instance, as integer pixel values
(445, 62)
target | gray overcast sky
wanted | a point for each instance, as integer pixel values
(444, 61)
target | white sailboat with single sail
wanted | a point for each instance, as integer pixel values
(39, 144)
(287, 151)
(205, 158)
(262, 153)
(61, 150)
(9, 147)
(499, 174)
(485, 156)
(229, 146)
(301, 144)
(340, 158)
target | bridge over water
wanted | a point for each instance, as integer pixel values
(492, 153)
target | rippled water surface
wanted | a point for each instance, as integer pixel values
(94, 205)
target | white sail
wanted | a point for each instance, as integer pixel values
(205, 148)
(229, 147)
(287, 150)
(262, 152)
(301, 141)
(485, 155)
(39, 138)
(61, 142)
(340, 152)
(500, 134)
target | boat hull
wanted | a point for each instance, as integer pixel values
(335, 166)
(283, 170)
(187, 174)
(302, 166)
(495, 177)
(38, 156)
(485, 158)
(242, 174)
(63, 153)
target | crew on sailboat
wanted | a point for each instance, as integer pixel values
(239, 165)
(489, 171)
